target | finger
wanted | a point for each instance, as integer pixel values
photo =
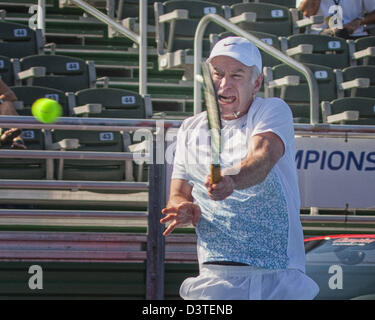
(207, 181)
(169, 217)
(170, 228)
(217, 195)
(169, 210)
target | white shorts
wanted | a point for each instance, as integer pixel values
(221, 282)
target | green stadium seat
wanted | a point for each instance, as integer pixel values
(115, 103)
(68, 74)
(111, 103)
(358, 111)
(127, 13)
(268, 18)
(176, 22)
(357, 81)
(6, 70)
(18, 40)
(365, 50)
(319, 49)
(25, 169)
(33, 138)
(95, 170)
(288, 84)
(286, 3)
(26, 96)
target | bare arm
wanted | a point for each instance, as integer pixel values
(265, 150)
(356, 23)
(180, 209)
(309, 7)
(369, 18)
(6, 93)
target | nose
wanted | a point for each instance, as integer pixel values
(224, 83)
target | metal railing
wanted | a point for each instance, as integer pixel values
(313, 86)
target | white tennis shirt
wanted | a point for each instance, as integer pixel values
(259, 225)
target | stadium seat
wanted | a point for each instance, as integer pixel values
(288, 84)
(359, 111)
(365, 50)
(34, 139)
(286, 3)
(6, 70)
(111, 103)
(115, 103)
(68, 74)
(318, 49)
(127, 13)
(357, 81)
(26, 96)
(267, 17)
(175, 23)
(25, 169)
(99, 170)
(18, 40)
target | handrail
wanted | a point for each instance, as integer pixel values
(94, 124)
(71, 155)
(140, 40)
(105, 19)
(313, 86)
(84, 124)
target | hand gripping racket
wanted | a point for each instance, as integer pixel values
(214, 123)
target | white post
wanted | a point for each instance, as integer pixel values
(41, 16)
(143, 47)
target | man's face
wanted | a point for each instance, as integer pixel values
(234, 85)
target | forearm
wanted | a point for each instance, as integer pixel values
(369, 18)
(180, 191)
(252, 171)
(264, 152)
(176, 199)
(6, 93)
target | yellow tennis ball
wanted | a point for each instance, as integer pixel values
(46, 110)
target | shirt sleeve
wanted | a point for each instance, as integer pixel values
(275, 116)
(369, 5)
(179, 163)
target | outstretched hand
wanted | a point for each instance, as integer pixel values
(353, 25)
(220, 190)
(185, 213)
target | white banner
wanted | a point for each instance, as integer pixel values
(336, 172)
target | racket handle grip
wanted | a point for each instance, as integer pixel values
(215, 174)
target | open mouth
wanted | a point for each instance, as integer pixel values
(226, 99)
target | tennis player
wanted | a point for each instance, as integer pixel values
(250, 239)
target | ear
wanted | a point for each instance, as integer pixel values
(258, 84)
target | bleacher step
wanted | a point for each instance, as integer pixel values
(64, 197)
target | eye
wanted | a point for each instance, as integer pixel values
(217, 75)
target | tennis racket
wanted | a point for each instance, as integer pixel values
(214, 123)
